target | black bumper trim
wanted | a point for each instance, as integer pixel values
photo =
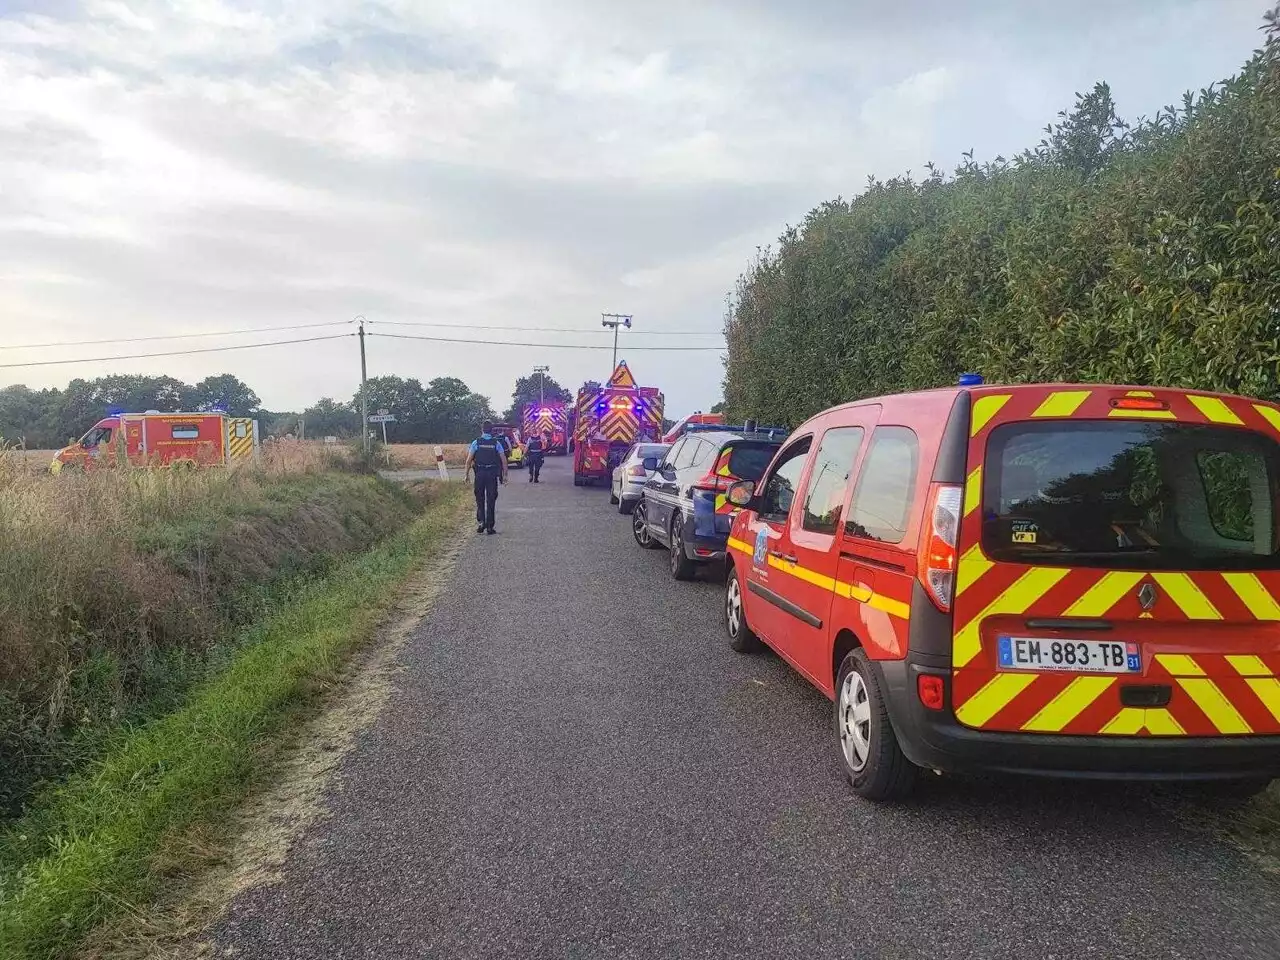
(936, 740)
(783, 604)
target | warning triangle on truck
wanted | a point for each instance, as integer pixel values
(622, 376)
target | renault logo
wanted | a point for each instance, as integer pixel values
(1147, 596)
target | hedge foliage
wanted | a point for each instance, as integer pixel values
(1145, 253)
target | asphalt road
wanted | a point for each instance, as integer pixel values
(574, 764)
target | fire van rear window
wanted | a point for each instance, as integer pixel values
(1131, 495)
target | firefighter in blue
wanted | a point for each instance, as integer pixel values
(487, 458)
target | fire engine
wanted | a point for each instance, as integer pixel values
(205, 439)
(608, 420)
(547, 418)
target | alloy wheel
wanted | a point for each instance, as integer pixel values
(855, 721)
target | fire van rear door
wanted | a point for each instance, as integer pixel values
(1119, 571)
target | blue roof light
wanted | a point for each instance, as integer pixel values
(971, 380)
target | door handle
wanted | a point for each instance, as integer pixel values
(778, 555)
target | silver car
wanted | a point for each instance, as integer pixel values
(629, 476)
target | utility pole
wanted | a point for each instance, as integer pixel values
(541, 371)
(615, 320)
(364, 400)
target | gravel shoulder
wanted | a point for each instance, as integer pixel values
(572, 763)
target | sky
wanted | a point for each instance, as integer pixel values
(199, 166)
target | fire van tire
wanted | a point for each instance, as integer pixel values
(885, 773)
(742, 639)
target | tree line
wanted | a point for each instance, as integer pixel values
(1144, 252)
(444, 410)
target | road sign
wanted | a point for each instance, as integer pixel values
(383, 413)
(383, 418)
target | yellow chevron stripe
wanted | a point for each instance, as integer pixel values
(1248, 666)
(1128, 721)
(973, 564)
(984, 408)
(1023, 592)
(1254, 595)
(994, 696)
(973, 490)
(1104, 594)
(1216, 707)
(1139, 393)
(1214, 410)
(1062, 403)
(1180, 665)
(1187, 596)
(1132, 720)
(1068, 704)
(1270, 414)
(1268, 691)
(1160, 723)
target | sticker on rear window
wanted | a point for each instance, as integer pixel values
(1024, 531)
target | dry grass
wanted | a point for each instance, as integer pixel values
(116, 585)
(422, 456)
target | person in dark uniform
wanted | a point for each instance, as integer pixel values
(534, 451)
(489, 461)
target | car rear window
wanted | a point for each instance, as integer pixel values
(1132, 495)
(748, 459)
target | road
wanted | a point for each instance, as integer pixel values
(574, 764)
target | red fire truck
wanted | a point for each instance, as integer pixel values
(547, 419)
(162, 439)
(608, 420)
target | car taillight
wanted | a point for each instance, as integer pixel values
(937, 554)
(713, 483)
(635, 470)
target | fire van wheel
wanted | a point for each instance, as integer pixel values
(873, 761)
(640, 526)
(741, 637)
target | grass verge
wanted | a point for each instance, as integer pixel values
(85, 852)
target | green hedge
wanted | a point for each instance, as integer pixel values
(1145, 253)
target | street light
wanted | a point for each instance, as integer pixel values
(615, 320)
(541, 371)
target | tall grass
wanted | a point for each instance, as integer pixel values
(118, 587)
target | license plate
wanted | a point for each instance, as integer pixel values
(1071, 656)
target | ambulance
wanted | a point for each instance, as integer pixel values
(203, 439)
(1063, 580)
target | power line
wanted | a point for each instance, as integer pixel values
(172, 336)
(543, 346)
(175, 353)
(478, 326)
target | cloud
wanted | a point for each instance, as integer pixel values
(170, 166)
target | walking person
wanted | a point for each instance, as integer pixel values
(488, 459)
(534, 451)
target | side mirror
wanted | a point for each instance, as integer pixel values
(650, 464)
(741, 493)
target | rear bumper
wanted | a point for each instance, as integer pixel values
(935, 740)
(698, 545)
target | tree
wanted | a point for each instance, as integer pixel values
(717, 407)
(526, 391)
(452, 412)
(327, 417)
(225, 392)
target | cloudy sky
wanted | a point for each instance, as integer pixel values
(210, 165)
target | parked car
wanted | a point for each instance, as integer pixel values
(684, 506)
(1078, 581)
(629, 476)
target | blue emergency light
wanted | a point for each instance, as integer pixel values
(115, 411)
(971, 380)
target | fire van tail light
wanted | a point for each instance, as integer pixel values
(930, 690)
(1138, 403)
(937, 553)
